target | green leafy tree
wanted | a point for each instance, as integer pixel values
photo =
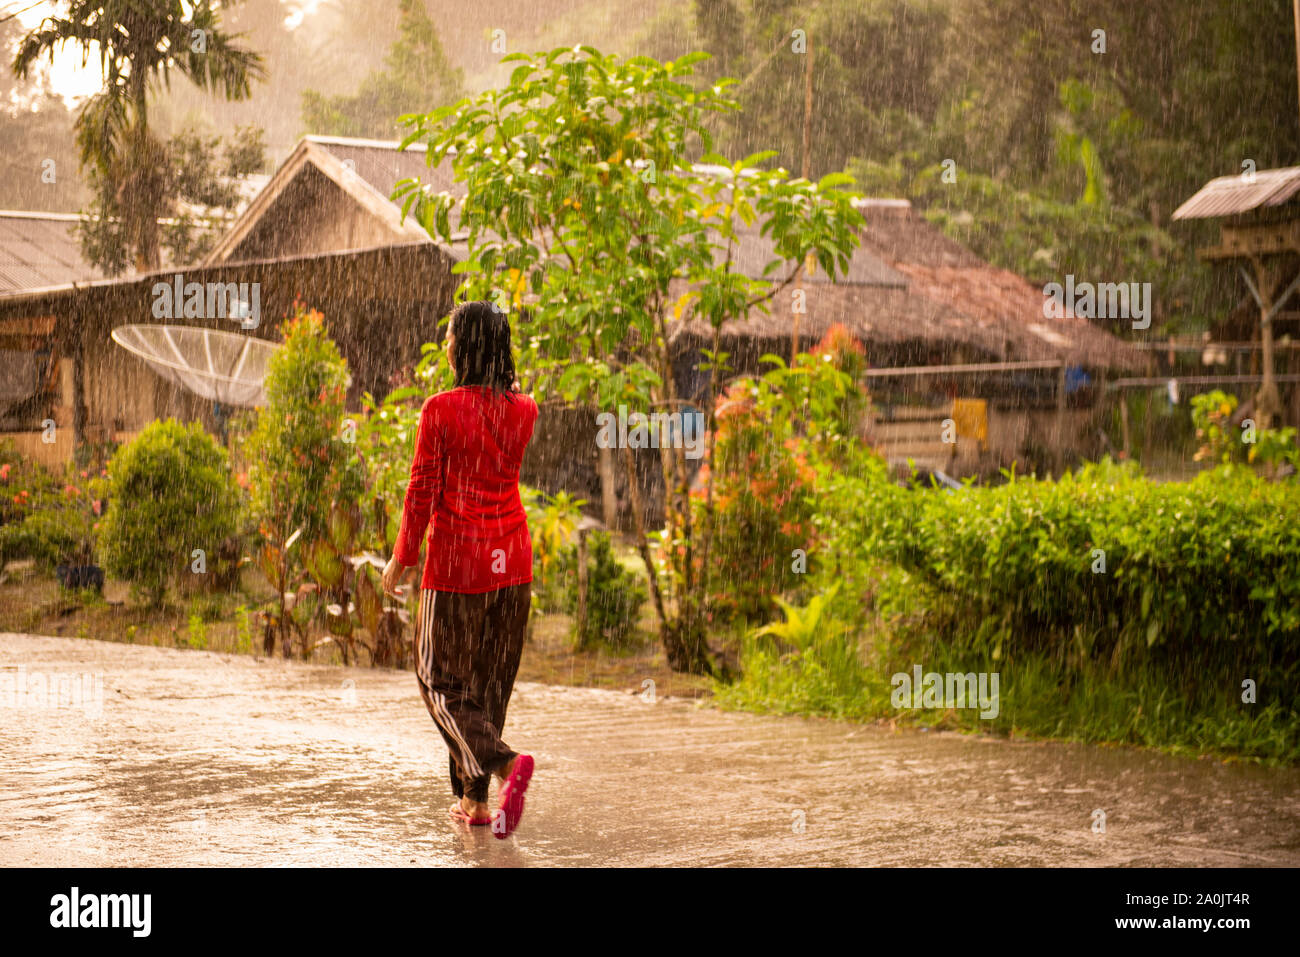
(170, 492)
(871, 60)
(417, 76)
(582, 197)
(138, 43)
(1112, 131)
(203, 176)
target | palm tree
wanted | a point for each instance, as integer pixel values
(139, 43)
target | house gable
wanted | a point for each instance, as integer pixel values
(315, 203)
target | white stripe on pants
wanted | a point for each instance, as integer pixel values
(424, 670)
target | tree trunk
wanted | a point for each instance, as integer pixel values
(608, 493)
(643, 547)
(686, 638)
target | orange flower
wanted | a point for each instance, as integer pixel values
(837, 341)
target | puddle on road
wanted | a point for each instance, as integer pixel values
(206, 759)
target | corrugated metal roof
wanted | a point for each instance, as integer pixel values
(40, 249)
(381, 164)
(1232, 195)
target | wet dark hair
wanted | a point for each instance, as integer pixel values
(481, 352)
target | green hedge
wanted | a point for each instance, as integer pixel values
(1197, 575)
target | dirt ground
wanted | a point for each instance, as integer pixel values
(33, 603)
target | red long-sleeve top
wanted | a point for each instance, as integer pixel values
(464, 488)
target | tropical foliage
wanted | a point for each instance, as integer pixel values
(132, 172)
(581, 197)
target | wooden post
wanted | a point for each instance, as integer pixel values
(1123, 422)
(582, 585)
(1060, 418)
(79, 415)
(608, 490)
(1293, 366)
(1148, 430)
(1267, 404)
(1296, 9)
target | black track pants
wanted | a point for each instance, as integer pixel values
(466, 658)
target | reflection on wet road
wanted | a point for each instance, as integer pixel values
(209, 759)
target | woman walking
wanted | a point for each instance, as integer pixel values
(476, 589)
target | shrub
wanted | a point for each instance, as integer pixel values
(1270, 450)
(760, 511)
(614, 595)
(299, 460)
(303, 468)
(768, 431)
(552, 524)
(170, 492)
(1198, 591)
(43, 517)
(197, 633)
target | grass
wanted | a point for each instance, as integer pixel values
(1039, 697)
(33, 603)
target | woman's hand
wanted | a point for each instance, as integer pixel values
(394, 574)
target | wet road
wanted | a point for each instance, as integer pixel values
(196, 758)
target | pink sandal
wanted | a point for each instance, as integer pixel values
(507, 817)
(458, 814)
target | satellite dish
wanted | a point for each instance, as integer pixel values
(222, 366)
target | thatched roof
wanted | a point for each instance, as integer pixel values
(948, 297)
